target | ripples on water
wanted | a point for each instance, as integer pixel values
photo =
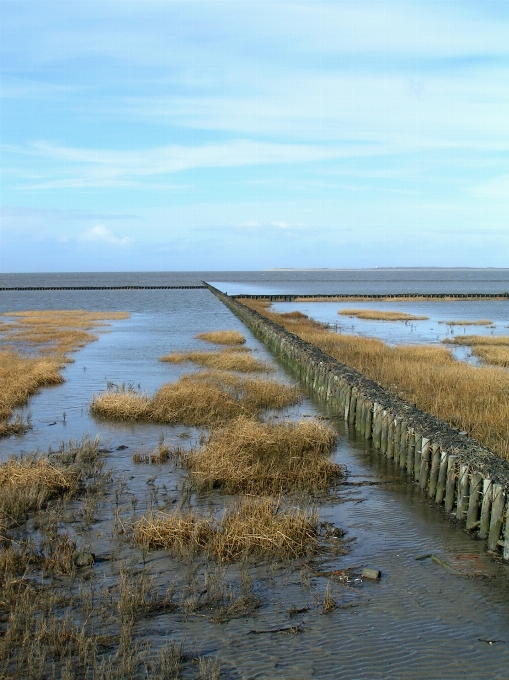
(419, 621)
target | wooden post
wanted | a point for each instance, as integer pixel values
(461, 507)
(397, 440)
(425, 463)
(435, 467)
(497, 514)
(353, 404)
(418, 457)
(377, 426)
(505, 553)
(385, 431)
(402, 445)
(474, 501)
(450, 484)
(442, 476)
(410, 450)
(487, 499)
(359, 420)
(390, 437)
(369, 419)
(346, 401)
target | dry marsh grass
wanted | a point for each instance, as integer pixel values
(496, 355)
(237, 359)
(197, 399)
(223, 337)
(50, 335)
(481, 322)
(251, 528)
(474, 399)
(251, 457)
(490, 340)
(377, 315)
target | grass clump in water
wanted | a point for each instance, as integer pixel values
(252, 457)
(377, 315)
(237, 359)
(223, 337)
(197, 399)
(481, 322)
(251, 528)
(478, 340)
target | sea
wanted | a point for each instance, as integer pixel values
(420, 620)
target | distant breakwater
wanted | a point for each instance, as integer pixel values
(100, 288)
(334, 297)
(469, 481)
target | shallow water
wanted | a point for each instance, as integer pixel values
(420, 621)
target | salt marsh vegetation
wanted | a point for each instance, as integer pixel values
(34, 348)
(223, 337)
(377, 315)
(197, 399)
(232, 359)
(473, 399)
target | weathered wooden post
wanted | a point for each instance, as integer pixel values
(425, 463)
(462, 504)
(497, 514)
(403, 445)
(442, 476)
(474, 501)
(369, 419)
(390, 436)
(487, 499)
(435, 467)
(410, 451)
(450, 484)
(377, 426)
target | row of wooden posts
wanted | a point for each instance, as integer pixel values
(475, 500)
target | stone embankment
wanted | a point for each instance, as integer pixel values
(467, 479)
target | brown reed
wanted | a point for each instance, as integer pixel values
(377, 315)
(478, 340)
(473, 399)
(223, 337)
(231, 359)
(466, 322)
(197, 399)
(496, 355)
(250, 528)
(251, 457)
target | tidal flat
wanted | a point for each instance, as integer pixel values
(101, 604)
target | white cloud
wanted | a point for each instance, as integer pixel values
(103, 234)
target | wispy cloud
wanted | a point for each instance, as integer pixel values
(102, 234)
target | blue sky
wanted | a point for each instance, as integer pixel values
(181, 135)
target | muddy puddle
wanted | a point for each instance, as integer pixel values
(439, 610)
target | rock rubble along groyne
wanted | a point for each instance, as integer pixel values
(455, 471)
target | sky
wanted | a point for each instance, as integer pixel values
(162, 136)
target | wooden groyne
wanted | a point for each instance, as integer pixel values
(465, 478)
(4, 289)
(291, 297)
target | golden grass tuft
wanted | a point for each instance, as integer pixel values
(223, 337)
(258, 458)
(377, 315)
(473, 399)
(478, 340)
(294, 315)
(481, 322)
(231, 359)
(20, 377)
(496, 355)
(27, 483)
(251, 528)
(197, 399)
